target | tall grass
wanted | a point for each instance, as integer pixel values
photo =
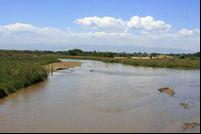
(186, 63)
(19, 71)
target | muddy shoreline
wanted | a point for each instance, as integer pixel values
(50, 68)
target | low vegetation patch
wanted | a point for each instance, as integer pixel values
(167, 90)
(184, 105)
(186, 63)
(190, 125)
(21, 70)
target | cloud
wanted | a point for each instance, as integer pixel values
(16, 27)
(189, 32)
(105, 23)
(147, 23)
(27, 36)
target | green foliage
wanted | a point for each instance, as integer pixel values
(78, 52)
(19, 70)
(74, 52)
(186, 63)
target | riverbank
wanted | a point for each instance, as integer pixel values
(60, 66)
(186, 63)
(20, 71)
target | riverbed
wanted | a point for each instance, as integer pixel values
(105, 97)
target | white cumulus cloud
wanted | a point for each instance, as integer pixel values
(147, 23)
(17, 26)
(102, 22)
(27, 36)
(189, 32)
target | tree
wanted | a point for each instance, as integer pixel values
(75, 52)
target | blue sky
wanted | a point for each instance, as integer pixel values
(60, 14)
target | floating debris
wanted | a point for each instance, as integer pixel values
(167, 90)
(184, 105)
(190, 125)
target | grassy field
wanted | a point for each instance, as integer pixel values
(185, 63)
(21, 70)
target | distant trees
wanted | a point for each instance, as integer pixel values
(190, 55)
(196, 54)
(106, 54)
(75, 52)
(154, 54)
(79, 52)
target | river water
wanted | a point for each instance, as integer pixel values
(102, 97)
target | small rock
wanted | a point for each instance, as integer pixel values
(184, 105)
(167, 90)
(190, 125)
(60, 68)
(91, 70)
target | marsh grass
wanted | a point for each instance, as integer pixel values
(178, 63)
(21, 70)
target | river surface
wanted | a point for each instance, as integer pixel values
(102, 97)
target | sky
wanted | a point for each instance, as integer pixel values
(103, 25)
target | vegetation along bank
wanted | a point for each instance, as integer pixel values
(19, 70)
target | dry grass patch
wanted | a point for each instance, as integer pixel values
(61, 65)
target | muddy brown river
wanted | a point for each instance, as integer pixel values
(102, 97)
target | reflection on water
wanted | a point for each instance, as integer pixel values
(100, 97)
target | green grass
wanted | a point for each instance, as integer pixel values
(185, 63)
(21, 70)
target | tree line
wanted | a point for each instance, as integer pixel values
(79, 52)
